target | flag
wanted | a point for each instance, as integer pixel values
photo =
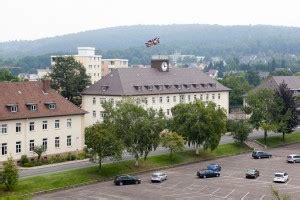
(152, 42)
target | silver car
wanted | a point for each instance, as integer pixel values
(159, 177)
(293, 158)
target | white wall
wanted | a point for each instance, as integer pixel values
(88, 105)
(76, 131)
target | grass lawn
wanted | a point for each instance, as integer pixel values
(69, 178)
(277, 140)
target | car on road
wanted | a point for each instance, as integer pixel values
(206, 173)
(214, 167)
(252, 173)
(127, 180)
(293, 158)
(158, 177)
(281, 177)
(261, 154)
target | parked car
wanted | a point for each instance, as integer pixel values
(126, 180)
(293, 158)
(214, 167)
(261, 154)
(206, 173)
(252, 173)
(281, 177)
(159, 177)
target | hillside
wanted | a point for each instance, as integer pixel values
(196, 39)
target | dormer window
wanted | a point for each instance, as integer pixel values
(138, 87)
(104, 88)
(178, 87)
(187, 86)
(197, 86)
(33, 107)
(14, 109)
(51, 106)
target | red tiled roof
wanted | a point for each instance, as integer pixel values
(24, 93)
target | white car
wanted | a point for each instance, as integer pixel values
(281, 177)
(158, 177)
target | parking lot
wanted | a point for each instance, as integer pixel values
(183, 183)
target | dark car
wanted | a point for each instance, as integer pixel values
(126, 180)
(206, 173)
(252, 173)
(261, 154)
(214, 167)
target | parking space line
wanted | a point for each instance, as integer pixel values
(288, 181)
(215, 191)
(244, 196)
(229, 193)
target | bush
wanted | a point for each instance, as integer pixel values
(71, 156)
(10, 174)
(24, 160)
(29, 164)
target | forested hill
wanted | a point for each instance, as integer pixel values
(195, 39)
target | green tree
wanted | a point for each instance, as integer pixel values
(283, 72)
(252, 78)
(6, 75)
(240, 129)
(70, 78)
(287, 118)
(173, 141)
(238, 85)
(200, 124)
(103, 141)
(138, 128)
(39, 150)
(261, 104)
(10, 174)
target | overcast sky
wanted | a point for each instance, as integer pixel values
(33, 19)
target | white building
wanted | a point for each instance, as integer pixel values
(33, 114)
(156, 87)
(92, 62)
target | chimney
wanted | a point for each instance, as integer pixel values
(46, 85)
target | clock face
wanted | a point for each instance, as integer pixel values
(164, 66)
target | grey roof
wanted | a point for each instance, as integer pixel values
(137, 81)
(293, 82)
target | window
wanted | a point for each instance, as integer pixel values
(201, 97)
(195, 97)
(102, 100)
(94, 101)
(153, 100)
(18, 127)
(219, 96)
(69, 123)
(168, 99)
(45, 125)
(45, 144)
(160, 99)
(3, 129)
(31, 145)
(112, 102)
(18, 147)
(219, 106)
(33, 107)
(181, 99)
(174, 99)
(146, 100)
(14, 109)
(102, 114)
(94, 113)
(207, 96)
(56, 142)
(213, 96)
(51, 106)
(4, 149)
(138, 100)
(69, 140)
(168, 111)
(189, 97)
(56, 123)
(31, 126)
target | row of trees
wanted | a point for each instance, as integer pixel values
(130, 127)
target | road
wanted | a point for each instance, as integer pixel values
(77, 165)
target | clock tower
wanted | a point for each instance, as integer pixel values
(161, 64)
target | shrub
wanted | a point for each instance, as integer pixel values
(24, 160)
(10, 174)
(70, 157)
(29, 164)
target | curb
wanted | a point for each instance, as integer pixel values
(135, 173)
(54, 164)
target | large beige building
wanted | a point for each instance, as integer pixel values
(95, 66)
(156, 87)
(33, 114)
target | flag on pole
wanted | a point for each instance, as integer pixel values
(152, 42)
